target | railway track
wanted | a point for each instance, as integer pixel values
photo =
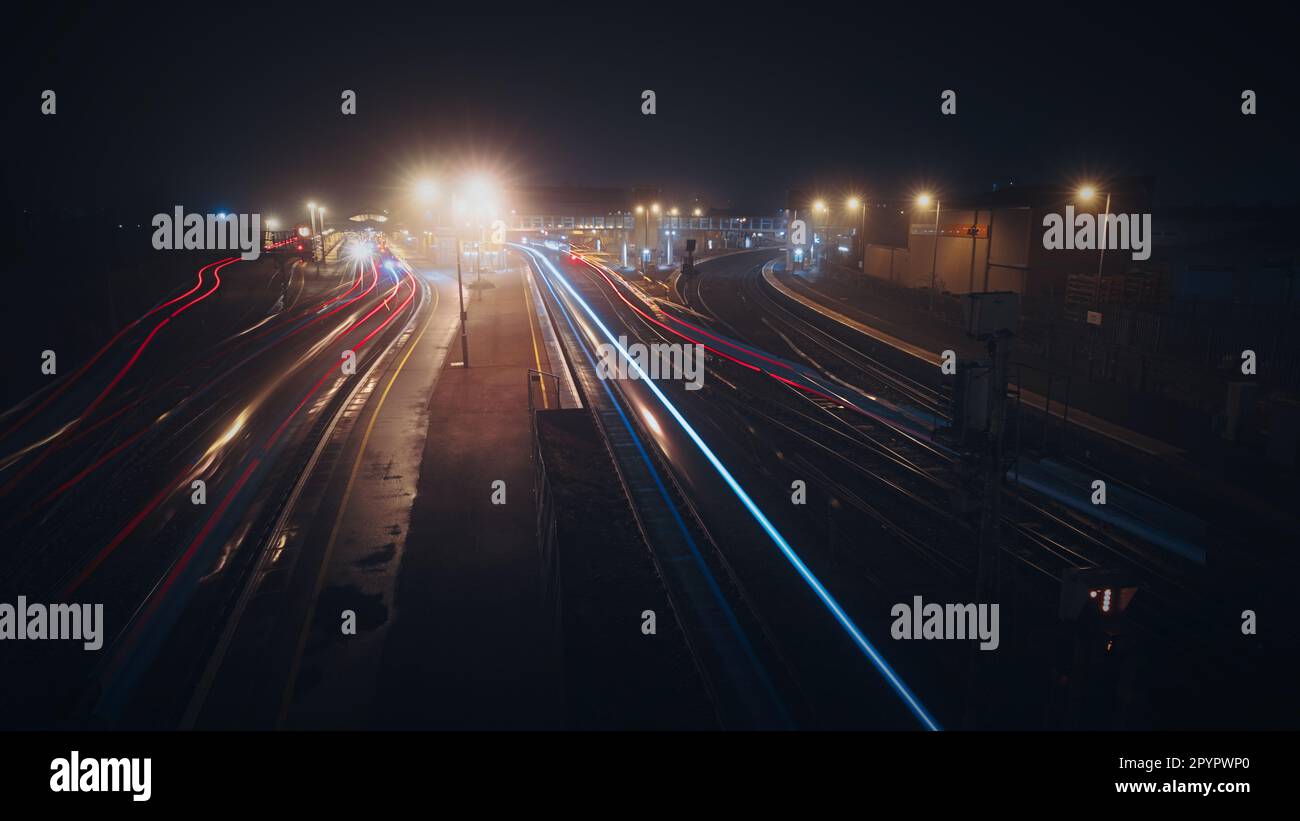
(1037, 533)
(918, 490)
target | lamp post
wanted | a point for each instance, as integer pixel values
(640, 209)
(654, 209)
(645, 245)
(857, 202)
(668, 237)
(321, 211)
(1087, 193)
(460, 294)
(924, 201)
(820, 207)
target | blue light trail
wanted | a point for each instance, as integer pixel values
(899, 686)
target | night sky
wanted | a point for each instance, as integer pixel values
(241, 110)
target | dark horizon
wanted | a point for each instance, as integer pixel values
(179, 114)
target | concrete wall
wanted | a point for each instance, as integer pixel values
(1008, 251)
(955, 268)
(880, 264)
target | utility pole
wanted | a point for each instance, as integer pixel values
(992, 317)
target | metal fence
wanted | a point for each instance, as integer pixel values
(1179, 342)
(1186, 350)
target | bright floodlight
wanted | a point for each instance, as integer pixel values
(923, 200)
(696, 212)
(360, 251)
(311, 205)
(655, 208)
(819, 205)
(480, 191)
(640, 209)
(854, 202)
(1087, 192)
(426, 191)
(272, 223)
(304, 231)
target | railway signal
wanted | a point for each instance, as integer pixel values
(1096, 594)
(1101, 669)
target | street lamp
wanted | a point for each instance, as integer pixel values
(311, 208)
(645, 243)
(668, 240)
(1088, 193)
(654, 209)
(457, 210)
(924, 201)
(858, 202)
(820, 206)
(321, 212)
